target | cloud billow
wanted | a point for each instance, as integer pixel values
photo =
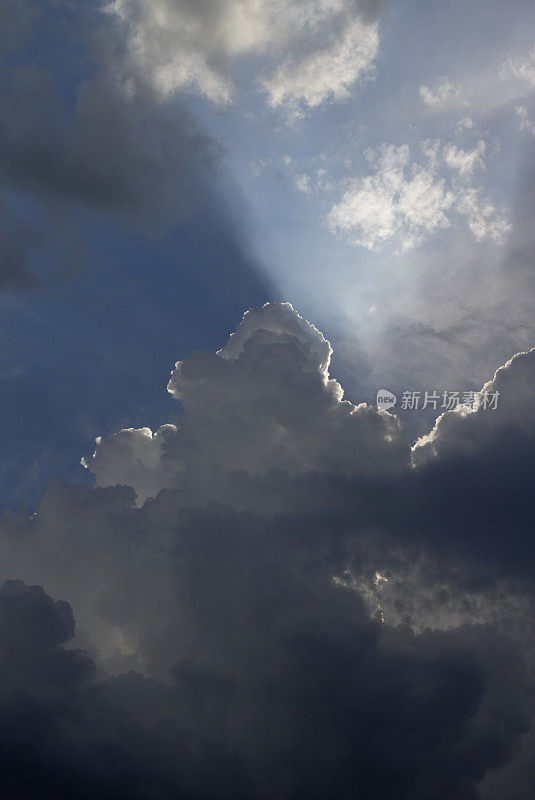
(303, 597)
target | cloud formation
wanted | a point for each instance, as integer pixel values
(521, 67)
(328, 73)
(271, 385)
(466, 430)
(404, 202)
(325, 46)
(304, 597)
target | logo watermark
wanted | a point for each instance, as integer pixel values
(386, 399)
(445, 401)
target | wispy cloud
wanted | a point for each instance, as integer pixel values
(403, 201)
(521, 67)
(445, 95)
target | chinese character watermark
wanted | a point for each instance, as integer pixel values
(445, 401)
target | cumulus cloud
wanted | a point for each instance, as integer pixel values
(325, 46)
(271, 384)
(466, 429)
(301, 599)
(405, 202)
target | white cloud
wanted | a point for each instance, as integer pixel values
(271, 386)
(465, 161)
(522, 68)
(390, 203)
(444, 96)
(465, 430)
(325, 73)
(321, 48)
(404, 202)
(482, 217)
(302, 182)
(136, 457)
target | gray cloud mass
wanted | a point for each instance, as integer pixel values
(111, 149)
(302, 606)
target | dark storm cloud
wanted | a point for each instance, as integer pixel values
(104, 144)
(317, 618)
(114, 153)
(297, 694)
(64, 734)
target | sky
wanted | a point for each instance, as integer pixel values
(229, 567)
